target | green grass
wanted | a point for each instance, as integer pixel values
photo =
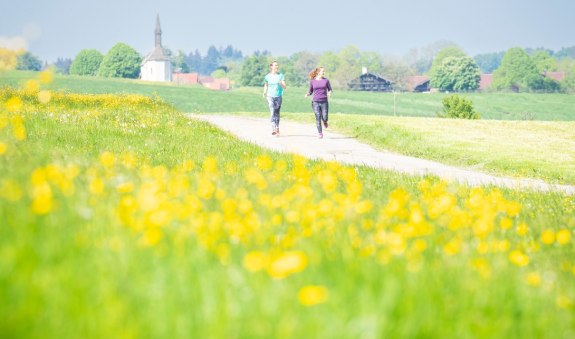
(196, 99)
(513, 146)
(92, 267)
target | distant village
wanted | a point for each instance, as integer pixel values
(156, 66)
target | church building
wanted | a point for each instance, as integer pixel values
(156, 66)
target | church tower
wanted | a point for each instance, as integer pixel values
(156, 66)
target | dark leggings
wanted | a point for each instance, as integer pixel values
(320, 108)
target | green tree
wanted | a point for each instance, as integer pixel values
(87, 62)
(517, 72)
(254, 69)
(456, 74)
(179, 62)
(544, 62)
(301, 64)
(488, 62)
(28, 62)
(451, 51)
(122, 61)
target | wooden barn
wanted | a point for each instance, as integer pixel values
(370, 82)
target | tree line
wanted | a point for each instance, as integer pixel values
(447, 65)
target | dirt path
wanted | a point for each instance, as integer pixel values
(302, 139)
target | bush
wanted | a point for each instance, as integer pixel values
(455, 106)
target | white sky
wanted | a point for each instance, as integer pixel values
(61, 28)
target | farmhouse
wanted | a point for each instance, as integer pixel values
(370, 82)
(156, 65)
(418, 83)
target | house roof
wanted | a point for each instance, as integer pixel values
(416, 80)
(485, 80)
(558, 76)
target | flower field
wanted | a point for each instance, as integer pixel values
(119, 217)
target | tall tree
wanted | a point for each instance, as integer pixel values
(194, 61)
(517, 72)
(179, 62)
(488, 62)
(211, 62)
(544, 61)
(456, 74)
(122, 61)
(451, 51)
(87, 62)
(254, 69)
(63, 65)
(28, 62)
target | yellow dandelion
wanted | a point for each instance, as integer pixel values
(107, 159)
(44, 97)
(313, 295)
(255, 261)
(46, 76)
(533, 279)
(3, 148)
(563, 236)
(32, 86)
(125, 187)
(518, 258)
(14, 104)
(42, 202)
(152, 236)
(286, 264)
(505, 223)
(548, 237)
(96, 186)
(264, 162)
(453, 247)
(522, 229)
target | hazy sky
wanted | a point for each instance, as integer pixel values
(61, 28)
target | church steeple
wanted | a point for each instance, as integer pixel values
(158, 32)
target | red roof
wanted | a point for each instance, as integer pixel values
(485, 81)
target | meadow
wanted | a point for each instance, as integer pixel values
(120, 217)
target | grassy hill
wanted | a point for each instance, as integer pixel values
(196, 99)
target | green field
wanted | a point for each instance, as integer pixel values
(520, 135)
(120, 217)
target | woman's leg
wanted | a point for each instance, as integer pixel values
(317, 111)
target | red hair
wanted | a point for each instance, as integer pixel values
(314, 73)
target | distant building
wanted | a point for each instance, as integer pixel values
(370, 82)
(418, 83)
(156, 66)
(220, 84)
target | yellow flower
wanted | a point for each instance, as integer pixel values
(14, 104)
(107, 159)
(522, 229)
(286, 264)
(548, 237)
(505, 223)
(32, 86)
(264, 162)
(563, 236)
(44, 97)
(534, 279)
(312, 295)
(518, 258)
(42, 202)
(255, 261)
(46, 76)
(3, 148)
